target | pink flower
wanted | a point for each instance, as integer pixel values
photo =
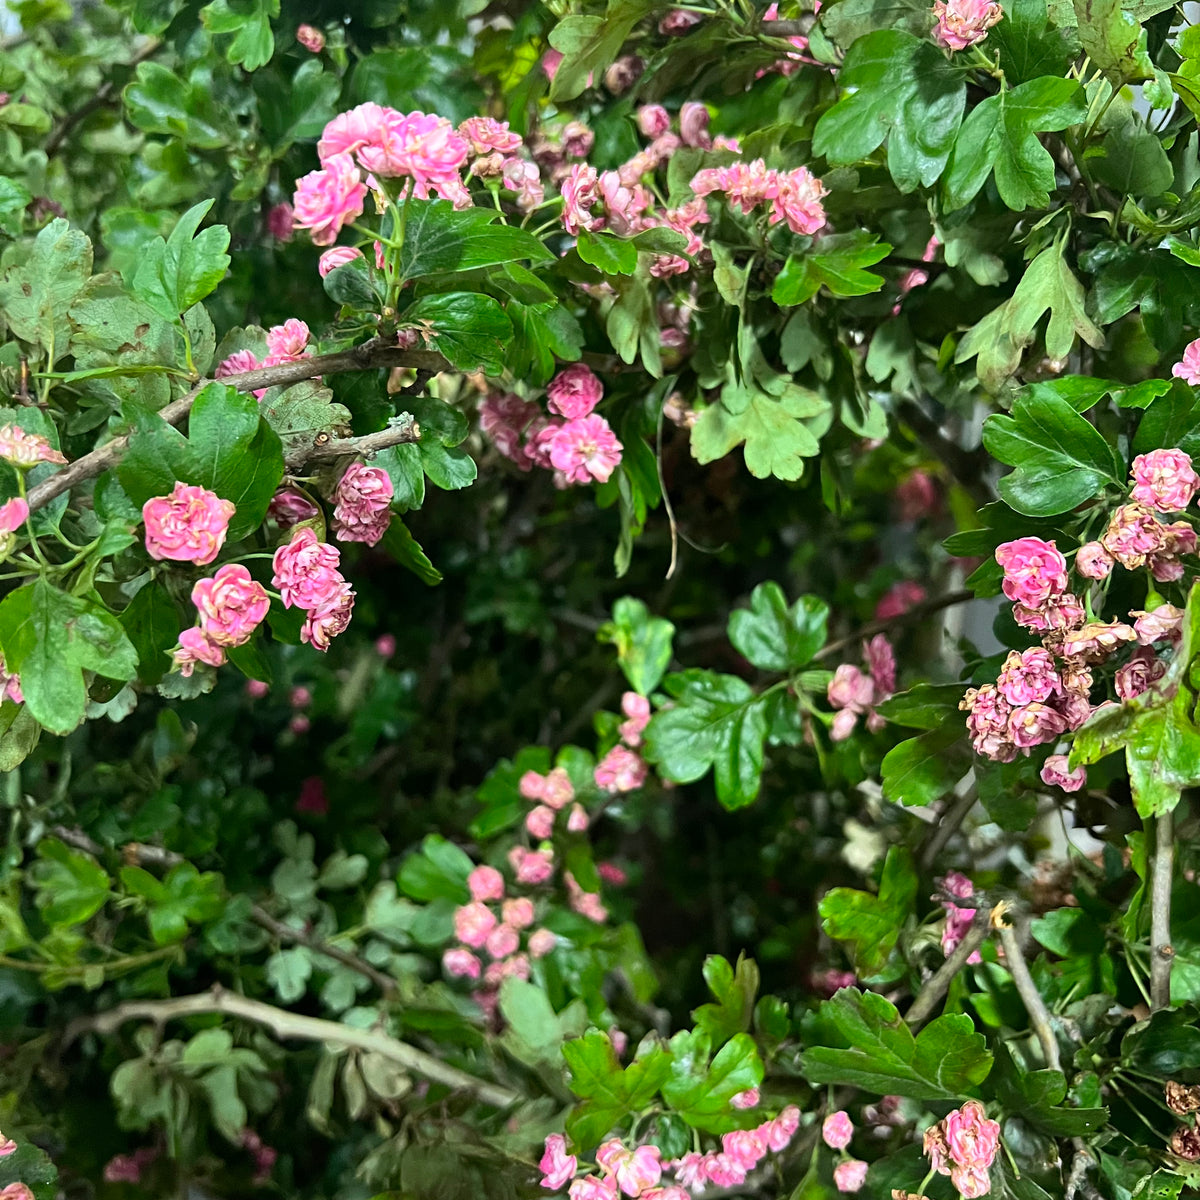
(348, 132)
(327, 620)
(637, 713)
(26, 449)
(503, 941)
(1097, 640)
(1034, 571)
(423, 147)
(577, 819)
(693, 125)
(724, 1171)
(850, 688)
(611, 873)
(327, 199)
(880, 659)
(313, 40)
(837, 1129)
(472, 924)
(286, 342)
(1188, 367)
(461, 963)
(690, 1170)
(849, 1176)
(305, 571)
(385, 645)
(13, 514)
(1054, 773)
(1092, 561)
(487, 136)
(7, 1146)
(747, 1099)
(972, 1139)
(586, 449)
(1028, 676)
(592, 1187)
(518, 913)
(971, 1182)
(231, 605)
(299, 724)
(1136, 676)
(574, 392)
(256, 689)
(633, 1170)
(524, 179)
(958, 920)
(1035, 724)
(280, 222)
(557, 790)
(531, 785)
(779, 1132)
(898, 599)
(237, 363)
(670, 1192)
(580, 193)
(1133, 535)
(587, 904)
(531, 866)
(336, 256)
(963, 23)
(1163, 480)
(557, 1166)
(798, 202)
(540, 822)
(486, 883)
(362, 499)
(917, 496)
(196, 646)
(621, 75)
(745, 1147)
(1163, 623)
(289, 507)
(620, 770)
(987, 723)
(189, 525)
(1062, 612)
(653, 120)
(541, 943)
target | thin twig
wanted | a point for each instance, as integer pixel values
(945, 827)
(925, 609)
(403, 429)
(800, 27)
(938, 984)
(1162, 952)
(284, 1024)
(1035, 1006)
(375, 353)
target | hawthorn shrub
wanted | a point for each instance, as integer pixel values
(598, 599)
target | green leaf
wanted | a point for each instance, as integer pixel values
(945, 1061)
(51, 638)
(1059, 458)
(777, 441)
(848, 20)
(735, 991)
(15, 197)
(447, 467)
(926, 706)
(470, 329)
(701, 1092)
(152, 622)
(229, 450)
(1131, 160)
(588, 44)
(609, 255)
(35, 296)
(775, 637)
(1113, 40)
(160, 101)
(1000, 338)
(899, 87)
(1000, 135)
(643, 643)
(406, 550)
(438, 871)
(250, 22)
(181, 270)
(1029, 45)
(918, 771)
(596, 1077)
(717, 723)
(69, 886)
(835, 262)
(351, 284)
(871, 924)
(534, 1034)
(1038, 1096)
(439, 240)
(301, 413)
(288, 972)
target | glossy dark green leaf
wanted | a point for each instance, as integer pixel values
(774, 636)
(440, 240)
(470, 329)
(870, 924)
(735, 990)
(609, 255)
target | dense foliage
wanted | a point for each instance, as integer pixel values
(503, 721)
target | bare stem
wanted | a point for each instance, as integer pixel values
(375, 353)
(945, 827)
(938, 984)
(1035, 1006)
(925, 609)
(1162, 953)
(284, 1024)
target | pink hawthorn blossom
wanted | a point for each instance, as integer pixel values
(574, 392)
(797, 201)
(1188, 367)
(747, 1099)
(778, 1133)
(987, 723)
(349, 131)
(503, 941)
(486, 883)
(13, 514)
(363, 499)
(577, 819)
(531, 866)
(637, 716)
(418, 146)
(849, 1176)
(541, 943)
(305, 571)
(1055, 772)
(473, 923)
(1092, 561)
(327, 199)
(917, 495)
(557, 1166)
(898, 599)
(837, 1129)
(1163, 624)
(286, 342)
(964, 23)
(231, 605)
(745, 1147)
(1163, 480)
(1034, 571)
(312, 39)
(580, 193)
(525, 180)
(517, 913)
(586, 449)
(336, 256)
(324, 622)
(25, 450)
(195, 646)
(485, 135)
(1028, 675)
(653, 120)
(7, 1146)
(635, 1171)
(540, 822)
(593, 1187)
(693, 125)
(189, 525)
(958, 920)
(281, 222)
(1136, 676)
(620, 770)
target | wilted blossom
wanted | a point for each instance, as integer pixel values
(637, 716)
(987, 723)
(1096, 640)
(623, 74)
(525, 180)
(620, 770)
(10, 689)
(958, 920)
(693, 125)
(327, 199)
(1163, 624)
(505, 417)
(963, 23)
(677, 22)
(230, 605)
(26, 450)
(898, 599)
(1143, 669)
(328, 620)
(312, 39)
(1133, 536)
(7, 1146)
(574, 391)
(1188, 367)
(963, 1146)
(580, 193)
(1164, 480)
(1056, 773)
(121, 1168)
(849, 1176)
(195, 646)
(557, 1166)
(837, 1129)
(485, 135)
(1028, 676)
(1034, 725)
(1092, 561)
(189, 525)
(486, 883)
(363, 499)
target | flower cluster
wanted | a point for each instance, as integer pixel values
(363, 504)
(794, 196)
(964, 23)
(622, 769)
(189, 525)
(550, 795)
(307, 577)
(963, 1146)
(576, 443)
(639, 1171)
(230, 607)
(855, 692)
(849, 1174)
